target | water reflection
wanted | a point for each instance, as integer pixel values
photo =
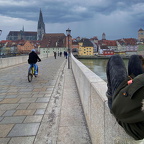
(98, 66)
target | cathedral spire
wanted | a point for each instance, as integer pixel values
(41, 27)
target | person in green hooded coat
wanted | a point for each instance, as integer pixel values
(126, 93)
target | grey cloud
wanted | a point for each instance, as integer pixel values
(53, 11)
(61, 11)
(115, 15)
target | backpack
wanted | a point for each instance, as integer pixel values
(127, 101)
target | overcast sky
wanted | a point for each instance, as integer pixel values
(86, 18)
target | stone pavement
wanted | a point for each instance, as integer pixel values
(45, 111)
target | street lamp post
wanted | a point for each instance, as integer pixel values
(68, 32)
(0, 45)
(0, 32)
(47, 51)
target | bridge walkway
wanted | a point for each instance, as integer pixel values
(46, 111)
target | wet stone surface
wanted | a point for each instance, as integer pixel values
(29, 129)
(23, 104)
(41, 112)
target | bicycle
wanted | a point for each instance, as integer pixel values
(31, 72)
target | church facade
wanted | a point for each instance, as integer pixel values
(29, 35)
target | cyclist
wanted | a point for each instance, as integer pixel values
(33, 59)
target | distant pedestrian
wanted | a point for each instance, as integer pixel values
(55, 54)
(60, 54)
(66, 54)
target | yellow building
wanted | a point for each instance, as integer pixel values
(85, 47)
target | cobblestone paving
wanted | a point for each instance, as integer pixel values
(45, 111)
(23, 104)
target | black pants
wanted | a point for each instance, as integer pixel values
(116, 73)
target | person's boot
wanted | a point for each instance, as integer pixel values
(135, 66)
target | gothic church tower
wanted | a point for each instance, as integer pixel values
(41, 27)
(103, 36)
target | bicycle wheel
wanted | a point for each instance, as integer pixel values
(30, 74)
(30, 77)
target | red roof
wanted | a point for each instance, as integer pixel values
(130, 41)
(10, 43)
(110, 42)
(53, 40)
(4, 41)
(107, 42)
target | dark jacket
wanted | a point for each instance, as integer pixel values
(127, 106)
(33, 58)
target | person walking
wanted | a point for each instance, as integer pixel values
(66, 54)
(55, 54)
(60, 54)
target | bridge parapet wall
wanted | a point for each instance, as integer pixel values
(102, 125)
(11, 61)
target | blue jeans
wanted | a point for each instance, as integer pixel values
(35, 68)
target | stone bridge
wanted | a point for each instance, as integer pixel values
(60, 106)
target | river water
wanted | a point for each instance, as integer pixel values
(98, 66)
